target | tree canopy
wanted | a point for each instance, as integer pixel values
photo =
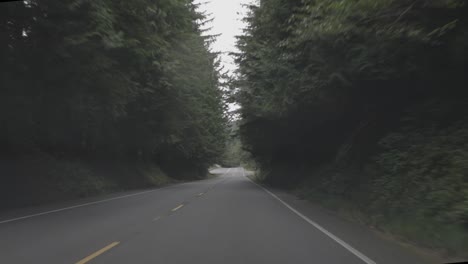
(363, 102)
(312, 72)
(133, 79)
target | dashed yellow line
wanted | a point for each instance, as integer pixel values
(177, 208)
(97, 253)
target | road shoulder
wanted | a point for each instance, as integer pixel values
(374, 244)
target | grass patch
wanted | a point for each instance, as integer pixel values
(210, 175)
(155, 176)
(447, 240)
(256, 175)
(41, 178)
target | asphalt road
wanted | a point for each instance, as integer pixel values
(227, 219)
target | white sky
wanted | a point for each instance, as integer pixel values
(227, 21)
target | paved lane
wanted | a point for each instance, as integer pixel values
(235, 222)
(227, 219)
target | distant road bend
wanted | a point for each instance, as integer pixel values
(227, 219)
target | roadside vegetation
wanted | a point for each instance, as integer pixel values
(235, 155)
(362, 106)
(105, 95)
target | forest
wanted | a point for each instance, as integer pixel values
(98, 96)
(362, 107)
(358, 105)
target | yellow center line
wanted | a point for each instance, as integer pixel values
(97, 253)
(177, 208)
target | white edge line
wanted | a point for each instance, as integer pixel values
(79, 205)
(82, 205)
(177, 208)
(320, 228)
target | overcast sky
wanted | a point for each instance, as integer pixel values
(227, 16)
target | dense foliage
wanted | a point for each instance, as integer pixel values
(131, 80)
(235, 155)
(365, 100)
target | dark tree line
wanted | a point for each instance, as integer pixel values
(107, 79)
(365, 101)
